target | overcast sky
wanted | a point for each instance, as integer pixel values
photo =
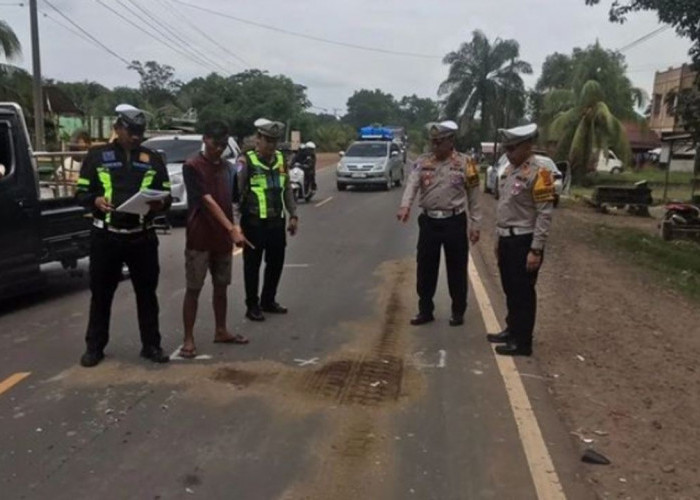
(330, 72)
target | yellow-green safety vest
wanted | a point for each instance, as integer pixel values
(267, 184)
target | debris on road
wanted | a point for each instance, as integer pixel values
(590, 456)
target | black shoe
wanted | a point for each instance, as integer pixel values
(511, 349)
(498, 338)
(254, 314)
(421, 319)
(456, 320)
(155, 354)
(91, 358)
(274, 308)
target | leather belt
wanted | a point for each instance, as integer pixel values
(100, 224)
(443, 214)
(513, 231)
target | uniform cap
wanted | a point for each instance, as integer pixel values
(310, 145)
(269, 128)
(517, 135)
(438, 130)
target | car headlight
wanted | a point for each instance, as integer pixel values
(341, 167)
(176, 178)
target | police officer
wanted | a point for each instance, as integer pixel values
(448, 185)
(523, 217)
(109, 176)
(264, 195)
(311, 149)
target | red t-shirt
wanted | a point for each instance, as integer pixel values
(203, 177)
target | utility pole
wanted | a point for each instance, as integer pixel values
(39, 143)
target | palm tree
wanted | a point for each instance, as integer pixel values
(484, 78)
(588, 127)
(9, 44)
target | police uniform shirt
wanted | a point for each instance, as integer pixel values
(451, 184)
(526, 196)
(112, 172)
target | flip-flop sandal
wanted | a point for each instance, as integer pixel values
(236, 339)
(187, 353)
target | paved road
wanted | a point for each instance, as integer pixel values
(340, 399)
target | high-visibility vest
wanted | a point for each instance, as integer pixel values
(267, 184)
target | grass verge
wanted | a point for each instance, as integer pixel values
(676, 262)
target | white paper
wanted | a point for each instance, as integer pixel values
(138, 204)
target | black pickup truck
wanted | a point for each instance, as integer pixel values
(33, 231)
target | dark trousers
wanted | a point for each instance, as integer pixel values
(268, 238)
(108, 251)
(519, 287)
(434, 234)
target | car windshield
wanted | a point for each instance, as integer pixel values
(176, 150)
(367, 150)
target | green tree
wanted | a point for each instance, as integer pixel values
(158, 84)
(10, 47)
(333, 136)
(587, 127)
(371, 106)
(484, 80)
(416, 111)
(683, 15)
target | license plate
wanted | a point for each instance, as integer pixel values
(359, 176)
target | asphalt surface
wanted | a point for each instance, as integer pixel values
(341, 398)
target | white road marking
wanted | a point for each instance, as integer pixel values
(237, 251)
(321, 203)
(443, 359)
(300, 266)
(306, 362)
(175, 356)
(544, 475)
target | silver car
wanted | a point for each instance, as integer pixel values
(177, 148)
(370, 163)
(494, 172)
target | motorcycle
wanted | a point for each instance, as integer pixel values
(680, 220)
(300, 182)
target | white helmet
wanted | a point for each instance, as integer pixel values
(310, 145)
(302, 146)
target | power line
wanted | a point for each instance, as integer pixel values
(66, 27)
(174, 9)
(85, 32)
(309, 37)
(175, 37)
(148, 33)
(644, 38)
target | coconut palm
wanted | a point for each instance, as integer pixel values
(481, 75)
(9, 44)
(588, 127)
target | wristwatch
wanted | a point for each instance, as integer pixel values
(536, 251)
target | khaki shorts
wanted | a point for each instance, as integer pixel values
(197, 262)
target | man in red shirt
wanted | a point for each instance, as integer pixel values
(211, 233)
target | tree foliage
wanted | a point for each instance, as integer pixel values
(371, 106)
(484, 81)
(587, 127)
(10, 47)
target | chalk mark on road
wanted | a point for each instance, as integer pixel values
(321, 203)
(306, 362)
(13, 380)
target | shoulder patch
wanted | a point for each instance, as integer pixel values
(543, 189)
(472, 174)
(108, 155)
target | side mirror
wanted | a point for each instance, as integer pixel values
(394, 154)
(341, 153)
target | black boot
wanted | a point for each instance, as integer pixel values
(421, 319)
(254, 314)
(499, 338)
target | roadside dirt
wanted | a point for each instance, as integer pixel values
(621, 354)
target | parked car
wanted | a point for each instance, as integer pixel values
(494, 172)
(370, 163)
(612, 164)
(177, 148)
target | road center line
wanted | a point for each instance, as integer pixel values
(321, 203)
(544, 475)
(13, 380)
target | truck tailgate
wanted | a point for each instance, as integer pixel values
(65, 230)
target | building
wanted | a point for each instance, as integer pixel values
(668, 82)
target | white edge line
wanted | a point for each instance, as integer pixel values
(321, 203)
(238, 251)
(544, 475)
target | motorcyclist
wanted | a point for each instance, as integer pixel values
(311, 162)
